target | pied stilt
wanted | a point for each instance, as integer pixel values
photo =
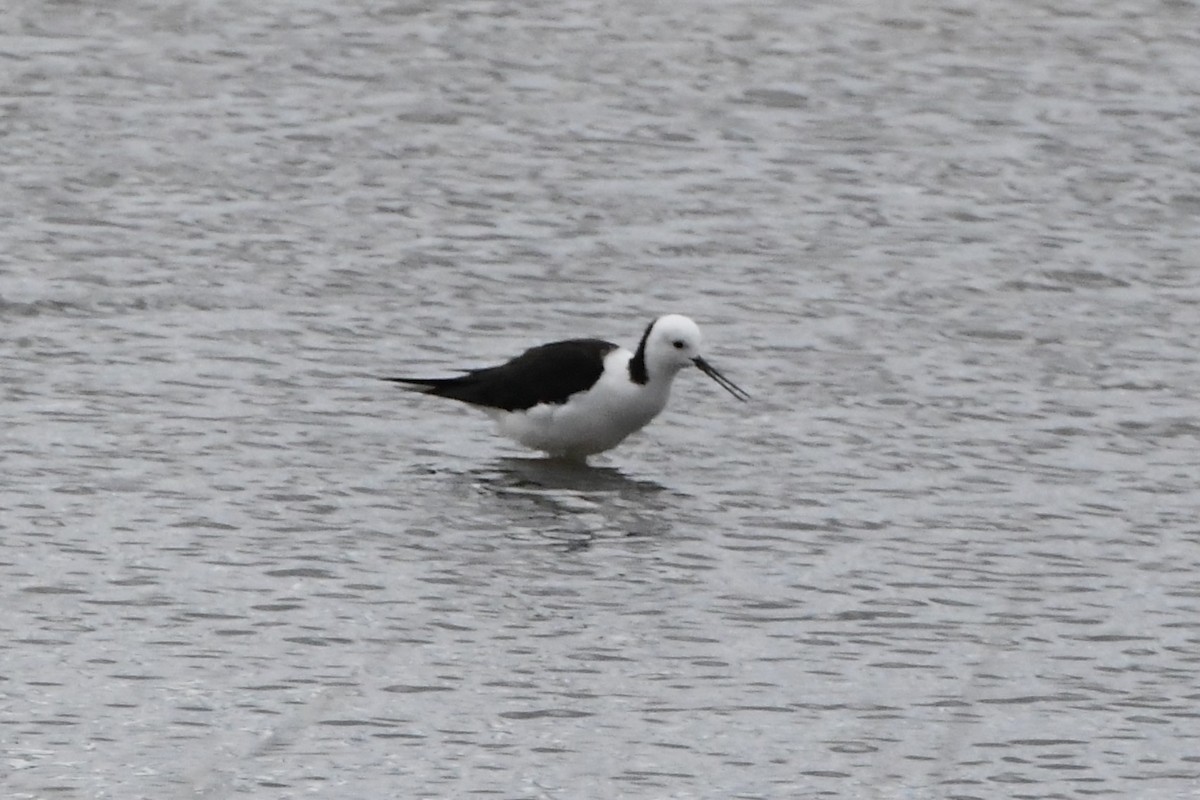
(578, 397)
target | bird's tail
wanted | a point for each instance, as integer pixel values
(424, 385)
(459, 388)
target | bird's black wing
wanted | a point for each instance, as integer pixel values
(549, 373)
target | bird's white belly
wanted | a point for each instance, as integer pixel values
(589, 422)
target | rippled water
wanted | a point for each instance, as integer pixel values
(949, 551)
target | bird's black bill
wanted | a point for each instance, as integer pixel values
(726, 384)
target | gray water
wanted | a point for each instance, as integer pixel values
(950, 550)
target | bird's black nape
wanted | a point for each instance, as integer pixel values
(637, 364)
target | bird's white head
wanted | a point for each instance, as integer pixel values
(672, 343)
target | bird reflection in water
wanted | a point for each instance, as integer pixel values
(574, 504)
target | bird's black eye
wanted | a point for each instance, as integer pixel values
(678, 343)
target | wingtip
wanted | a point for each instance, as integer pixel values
(416, 384)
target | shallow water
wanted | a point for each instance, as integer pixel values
(950, 550)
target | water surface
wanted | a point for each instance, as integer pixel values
(950, 550)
